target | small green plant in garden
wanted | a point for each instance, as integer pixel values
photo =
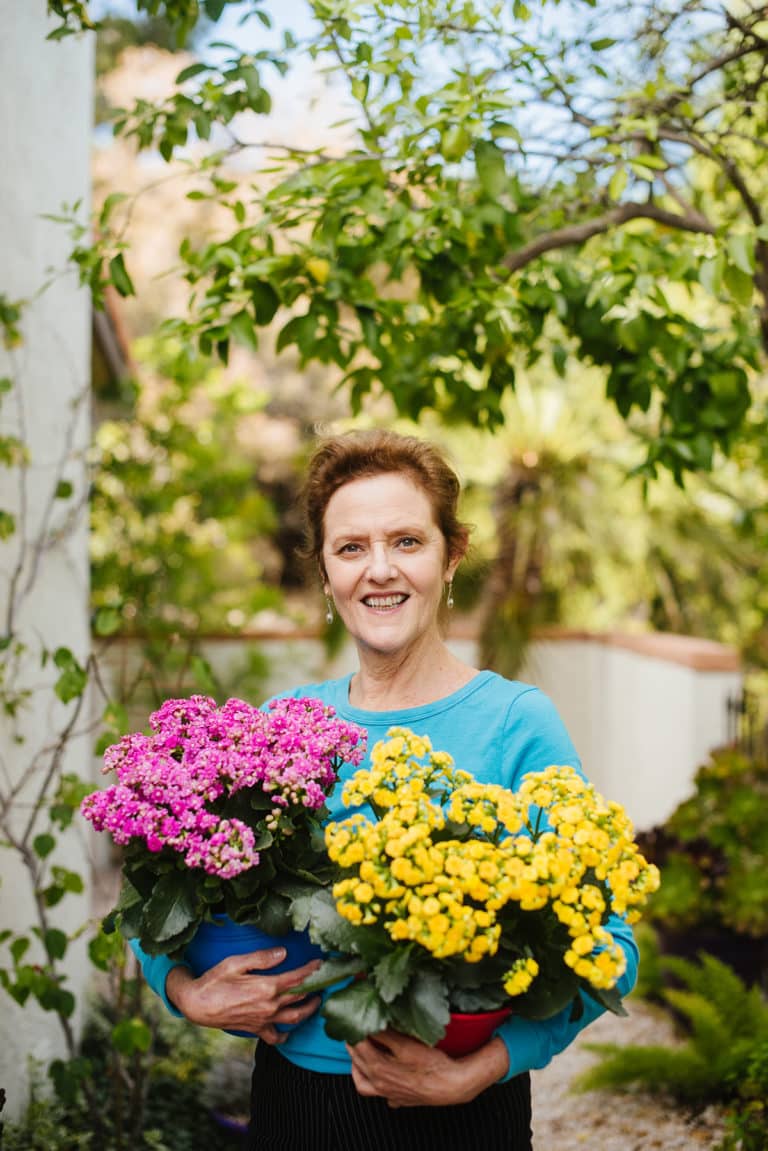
(148, 1072)
(712, 849)
(650, 974)
(748, 1124)
(723, 1059)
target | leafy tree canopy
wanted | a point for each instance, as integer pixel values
(180, 532)
(520, 180)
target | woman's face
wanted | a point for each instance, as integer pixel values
(385, 562)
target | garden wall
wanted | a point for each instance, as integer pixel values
(45, 119)
(643, 710)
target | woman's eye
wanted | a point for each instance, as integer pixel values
(408, 542)
(349, 549)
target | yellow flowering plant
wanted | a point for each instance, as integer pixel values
(462, 896)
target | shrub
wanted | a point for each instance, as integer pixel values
(171, 1113)
(712, 850)
(723, 1059)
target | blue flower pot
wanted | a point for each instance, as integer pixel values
(227, 1123)
(214, 941)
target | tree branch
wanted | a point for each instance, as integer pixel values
(575, 234)
(715, 65)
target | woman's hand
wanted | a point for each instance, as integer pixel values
(407, 1073)
(229, 996)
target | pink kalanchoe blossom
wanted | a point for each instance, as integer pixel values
(173, 785)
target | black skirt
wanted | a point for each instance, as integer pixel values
(297, 1110)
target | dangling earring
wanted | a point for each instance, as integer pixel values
(449, 596)
(328, 610)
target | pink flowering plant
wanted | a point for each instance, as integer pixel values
(219, 810)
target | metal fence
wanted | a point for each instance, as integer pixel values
(746, 724)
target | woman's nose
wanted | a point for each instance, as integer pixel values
(380, 565)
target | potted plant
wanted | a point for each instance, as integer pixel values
(219, 812)
(712, 852)
(227, 1088)
(463, 899)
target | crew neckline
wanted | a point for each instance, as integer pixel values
(403, 715)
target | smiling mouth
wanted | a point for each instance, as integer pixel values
(384, 602)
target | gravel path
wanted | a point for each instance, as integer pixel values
(613, 1121)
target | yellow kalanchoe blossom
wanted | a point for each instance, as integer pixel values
(454, 880)
(487, 806)
(520, 976)
(401, 759)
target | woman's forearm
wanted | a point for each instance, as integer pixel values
(177, 980)
(482, 1069)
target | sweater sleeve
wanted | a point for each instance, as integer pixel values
(532, 1043)
(155, 969)
(536, 737)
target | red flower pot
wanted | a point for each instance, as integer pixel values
(465, 1033)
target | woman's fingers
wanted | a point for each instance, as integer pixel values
(402, 1070)
(293, 1012)
(252, 961)
(379, 1053)
(240, 994)
(408, 1073)
(363, 1085)
(287, 980)
(264, 960)
(269, 1034)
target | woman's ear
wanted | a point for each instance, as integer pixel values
(454, 559)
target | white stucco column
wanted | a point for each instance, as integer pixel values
(45, 131)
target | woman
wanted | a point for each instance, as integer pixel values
(383, 528)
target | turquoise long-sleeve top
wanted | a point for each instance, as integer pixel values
(498, 730)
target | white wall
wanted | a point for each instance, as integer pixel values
(642, 721)
(45, 116)
(569, 672)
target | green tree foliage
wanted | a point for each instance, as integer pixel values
(180, 527)
(117, 33)
(573, 179)
(575, 542)
(181, 15)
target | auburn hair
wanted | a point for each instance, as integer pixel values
(356, 455)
